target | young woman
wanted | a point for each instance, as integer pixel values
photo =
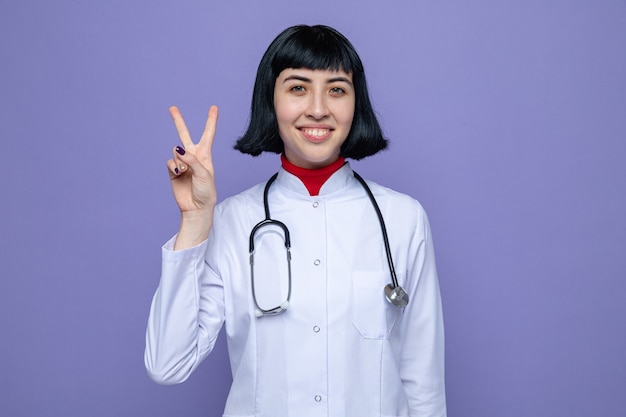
(326, 284)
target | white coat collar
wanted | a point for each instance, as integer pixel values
(338, 181)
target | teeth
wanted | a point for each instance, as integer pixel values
(316, 132)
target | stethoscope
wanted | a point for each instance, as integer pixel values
(394, 293)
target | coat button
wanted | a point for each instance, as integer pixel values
(316, 204)
(316, 262)
(316, 329)
(318, 398)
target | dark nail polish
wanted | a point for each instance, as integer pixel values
(180, 150)
(176, 170)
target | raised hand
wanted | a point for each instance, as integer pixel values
(193, 179)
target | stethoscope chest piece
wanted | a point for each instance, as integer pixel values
(396, 295)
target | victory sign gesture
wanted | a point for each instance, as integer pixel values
(193, 180)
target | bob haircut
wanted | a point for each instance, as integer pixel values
(311, 47)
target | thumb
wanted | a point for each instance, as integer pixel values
(187, 161)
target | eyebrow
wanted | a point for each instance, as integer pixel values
(308, 80)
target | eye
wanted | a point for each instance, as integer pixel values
(337, 91)
(297, 89)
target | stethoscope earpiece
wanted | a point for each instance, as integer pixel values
(272, 312)
(396, 295)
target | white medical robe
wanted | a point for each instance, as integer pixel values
(340, 349)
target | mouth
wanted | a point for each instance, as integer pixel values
(316, 134)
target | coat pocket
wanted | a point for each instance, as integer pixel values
(372, 315)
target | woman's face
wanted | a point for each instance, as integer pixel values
(314, 109)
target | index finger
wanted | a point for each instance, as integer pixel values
(181, 127)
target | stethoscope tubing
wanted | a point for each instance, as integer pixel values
(392, 271)
(266, 222)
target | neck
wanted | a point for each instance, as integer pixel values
(313, 179)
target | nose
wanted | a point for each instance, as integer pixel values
(317, 107)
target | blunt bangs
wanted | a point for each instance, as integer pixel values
(317, 48)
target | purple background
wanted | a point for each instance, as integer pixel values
(507, 122)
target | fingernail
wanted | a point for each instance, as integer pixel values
(176, 170)
(180, 150)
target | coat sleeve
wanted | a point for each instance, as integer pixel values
(186, 315)
(421, 332)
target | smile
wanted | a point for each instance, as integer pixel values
(315, 134)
